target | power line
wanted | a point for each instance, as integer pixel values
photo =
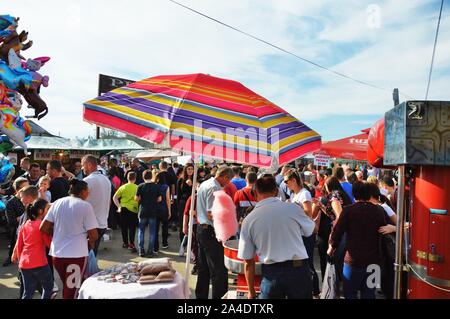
(284, 50)
(434, 50)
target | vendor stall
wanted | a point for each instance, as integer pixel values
(96, 289)
(149, 279)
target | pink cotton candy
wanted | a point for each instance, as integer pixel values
(224, 216)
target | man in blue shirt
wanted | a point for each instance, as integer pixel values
(238, 181)
(339, 173)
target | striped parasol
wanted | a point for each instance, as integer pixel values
(205, 115)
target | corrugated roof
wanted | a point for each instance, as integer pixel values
(61, 143)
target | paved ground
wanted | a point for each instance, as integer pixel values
(111, 253)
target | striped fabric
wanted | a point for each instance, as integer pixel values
(205, 115)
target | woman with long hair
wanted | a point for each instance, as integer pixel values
(330, 209)
(184, 190)
(72, 222)
(302, 197)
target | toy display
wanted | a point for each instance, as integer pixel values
(19, 75)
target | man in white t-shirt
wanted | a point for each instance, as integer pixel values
(73, 225)
(99, 194)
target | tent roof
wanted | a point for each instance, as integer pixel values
(353, 147)
(147, 154)
(107, 144)
(37, 130)
(61, 143)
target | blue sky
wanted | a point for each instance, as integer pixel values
(387, 43)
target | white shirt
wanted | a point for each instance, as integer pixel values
(205, 199)
(71, 217)
(274, 232)
(388, 210)
(303, 196)
(99, 197)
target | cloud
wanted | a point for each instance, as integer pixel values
(140, 39)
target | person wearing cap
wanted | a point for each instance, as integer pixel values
(277, 240)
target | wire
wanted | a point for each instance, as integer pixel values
(434, 50)
(286, 51)
(410, 267)
(425, 280)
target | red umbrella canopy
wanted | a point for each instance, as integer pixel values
(207, 116)
(353, 147)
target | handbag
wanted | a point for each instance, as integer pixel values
(386, 250)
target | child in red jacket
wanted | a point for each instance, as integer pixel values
(31, 245)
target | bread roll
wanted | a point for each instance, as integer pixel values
(154, 269)
(165, 276)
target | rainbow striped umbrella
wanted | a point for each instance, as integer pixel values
(205, 115)
(208, 116)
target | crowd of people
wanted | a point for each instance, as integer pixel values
(55, 217)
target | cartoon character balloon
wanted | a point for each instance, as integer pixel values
(16, 75)
(15, 127)
(6, 171)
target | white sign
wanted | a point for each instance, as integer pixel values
(322, 160)
(75, 154)
(185, 159)
(43, 155)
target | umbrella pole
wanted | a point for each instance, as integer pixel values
(191, 223)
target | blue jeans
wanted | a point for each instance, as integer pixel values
(286, 281)
(356, 279)
(34, 277)
(143, 223)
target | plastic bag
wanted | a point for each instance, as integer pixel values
(183, 245)
(329, 283)
(92, 266)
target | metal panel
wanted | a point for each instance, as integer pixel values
(418, 133)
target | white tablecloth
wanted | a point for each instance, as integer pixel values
(96, 289)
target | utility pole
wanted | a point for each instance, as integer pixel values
(395, 96)
(97, 128)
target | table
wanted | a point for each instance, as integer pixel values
(96, 289)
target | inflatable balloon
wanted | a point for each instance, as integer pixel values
(375, 149)
(16, 75)
(6, 170)
(16, 128)
(5, 144)
(8, 25)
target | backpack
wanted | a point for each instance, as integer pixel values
(244, 211)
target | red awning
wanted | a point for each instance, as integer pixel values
(353, 147)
